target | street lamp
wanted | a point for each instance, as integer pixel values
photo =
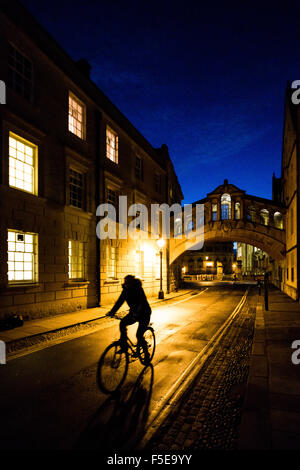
(161, 243)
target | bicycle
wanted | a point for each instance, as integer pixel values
(113, 365)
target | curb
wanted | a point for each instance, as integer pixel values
(254, 432)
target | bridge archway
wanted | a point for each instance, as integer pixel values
(237, 217)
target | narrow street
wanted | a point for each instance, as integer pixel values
(50, 400)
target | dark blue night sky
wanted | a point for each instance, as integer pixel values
(206, 79)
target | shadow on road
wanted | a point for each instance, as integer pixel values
(120, 421)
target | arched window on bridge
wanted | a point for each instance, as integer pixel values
(225, 206)
(264, 217)
(214, 212)
(237, 211)
(278, 220)
(251, 213)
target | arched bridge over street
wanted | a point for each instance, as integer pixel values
(232, 215)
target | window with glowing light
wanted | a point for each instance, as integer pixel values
(111, 262)
(22, 257)
(278, 220)
(214, 212)
(22, 170)
(225, 206)
(77, 112)
(237, 211)
(139, 263)
(76, 258)
(112, 144)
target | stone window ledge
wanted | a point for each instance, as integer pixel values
(112, 281)
(76, 283)
(19, 286)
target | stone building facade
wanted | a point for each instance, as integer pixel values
(65, 149)
(286, 191)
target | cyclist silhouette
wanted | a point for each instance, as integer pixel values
(139, 311)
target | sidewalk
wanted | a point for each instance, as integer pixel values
(56, 322)
(271, 412)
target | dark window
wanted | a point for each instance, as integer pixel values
(111, 197)
(76, 189)
(19, 73)
(157, 183)
(138, 168)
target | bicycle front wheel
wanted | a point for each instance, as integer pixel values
(146, 351)
(112, 368)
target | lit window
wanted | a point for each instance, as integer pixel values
(139, 263)
(214, 211)
(278, 220)
(22, 164)
(77, 189)
(237, 211)
(19, 73)
(76, 258)
(225, 206)
(111, 261)
(22, 257)
(264, 217)
(111, 145)
(76, 116)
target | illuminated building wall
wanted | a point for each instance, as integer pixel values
(65, 148)
(286, 191)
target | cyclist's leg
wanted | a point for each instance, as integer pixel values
(143, 323)
(128, 320)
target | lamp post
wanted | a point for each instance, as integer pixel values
(161, 244)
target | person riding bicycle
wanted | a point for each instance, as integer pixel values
(139, 311)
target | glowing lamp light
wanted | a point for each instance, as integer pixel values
(161, 243)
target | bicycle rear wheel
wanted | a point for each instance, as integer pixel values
(112, 368)
(147, 356)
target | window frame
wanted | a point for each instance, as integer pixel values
(83, 256)
(112, 274)
(109, 129)
(79, 102)
(75, 169)
(35, 258)
(10, 83)
(35, 152)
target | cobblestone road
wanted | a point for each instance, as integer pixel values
(209, 412)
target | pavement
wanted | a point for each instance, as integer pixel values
(34, 328)
(271, 411)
